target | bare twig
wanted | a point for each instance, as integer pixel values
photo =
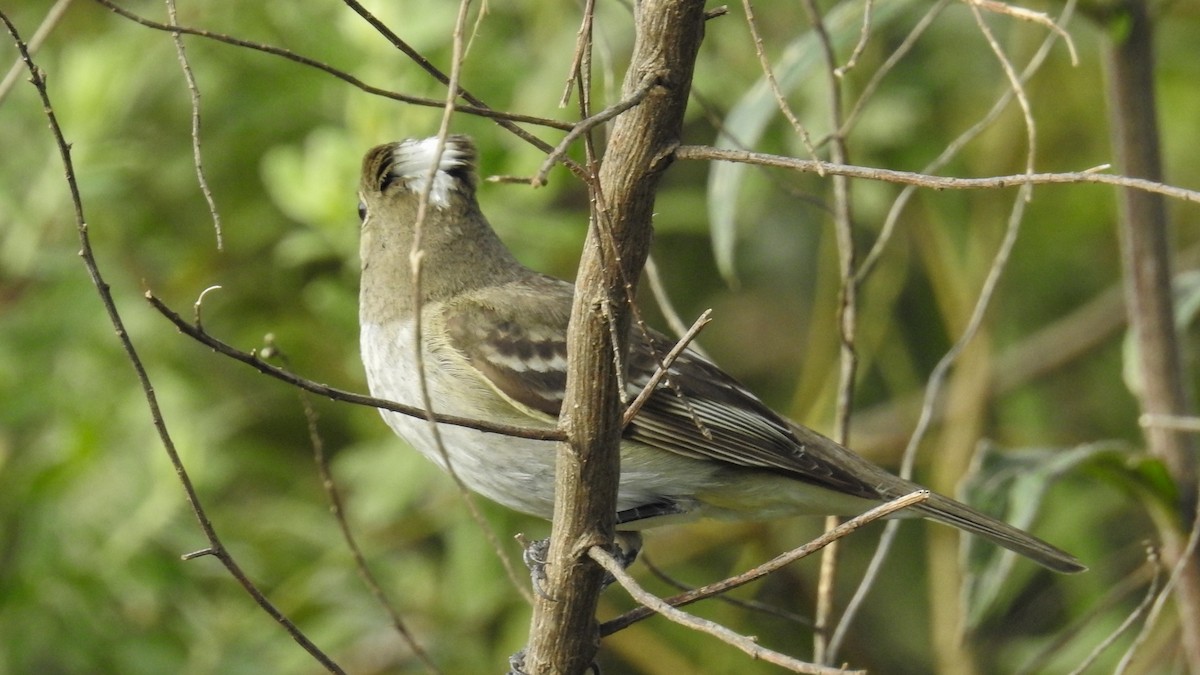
(338, 509)
(753, 605)
(505, 119)
(938, 375)
(1024, 14)
(1113, 599)
(198, 306)
(729, 637)
(842, 530)
(584, 126)
(955, 146)
(1178, 571)
(197, 156)
(709, 153)
(53, 16)
(889, 64)
(664, 366)
(861, 46)
(251, 359)
(947, 615)
(215, 548)
(583, 42)
(1015, 83)
(768, 73)
(1141, 609)
(416, 256)
(847, 314)
(659, 291)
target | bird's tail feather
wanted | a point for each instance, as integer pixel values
(956, 514)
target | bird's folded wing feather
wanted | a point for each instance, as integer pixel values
(697, 410)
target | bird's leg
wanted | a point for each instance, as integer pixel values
(627, 545)
(516, 665)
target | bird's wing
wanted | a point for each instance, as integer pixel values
(700, 411)
(515, 337)
(697, 410)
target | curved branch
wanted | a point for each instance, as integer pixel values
(477, 109)
(251, 359)
(215, 547)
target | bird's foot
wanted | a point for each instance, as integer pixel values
(516, 665)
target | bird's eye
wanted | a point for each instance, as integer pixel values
(362, 210)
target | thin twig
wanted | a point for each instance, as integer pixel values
(664, 366)
(842, 530)
(53, 17)
(1143, 606)
(729, 637)
(780, 98)
(251, 359)
(847, 314)
(889, 64)
(938, 376)
(1015, 82)
(584, 126)
(861, 46)
(947, 614)
(1040, 18)
(194, 92)
(338, 509)
(955, 146)
(708, 153)
(751, 605)
(933, 390)
(1113, 599)
(663, 300)
(1177, 570)
(583, 44)
(504, 119)
(416, 256)
(215, 548)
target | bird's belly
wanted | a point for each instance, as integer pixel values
(515, 472)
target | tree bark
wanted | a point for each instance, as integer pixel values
(1146, 258)
(563, 633)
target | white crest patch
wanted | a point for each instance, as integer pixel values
(413, 158)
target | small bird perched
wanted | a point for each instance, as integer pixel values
(493, 342)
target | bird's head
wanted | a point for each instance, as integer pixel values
(395, 175)
(458, 246)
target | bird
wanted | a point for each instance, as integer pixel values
(493, 334)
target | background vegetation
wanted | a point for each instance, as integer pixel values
(92, 517)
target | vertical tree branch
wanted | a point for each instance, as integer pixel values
(1145, 246)
(847, 313)
(564, 635)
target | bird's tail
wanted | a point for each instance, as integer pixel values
(956, 514)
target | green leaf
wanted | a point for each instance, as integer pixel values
(1012, 487)
(743, 127)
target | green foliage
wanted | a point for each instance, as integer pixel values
(92, 518)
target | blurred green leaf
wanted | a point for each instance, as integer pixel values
(744, 125)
